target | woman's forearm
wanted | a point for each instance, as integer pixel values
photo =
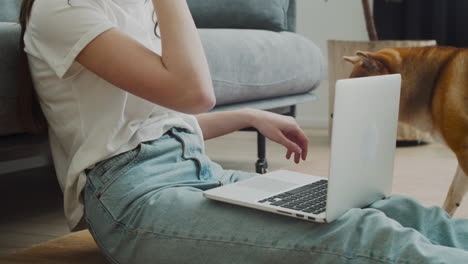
(221, 123)
(182, 50)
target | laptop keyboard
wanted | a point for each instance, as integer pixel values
(311, 198)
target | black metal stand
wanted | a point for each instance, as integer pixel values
(292, 111)
(262, 164)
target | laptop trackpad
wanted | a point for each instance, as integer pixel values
(266, 184)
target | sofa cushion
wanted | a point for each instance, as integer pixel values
(9, 11)
(256, 64)
(245, 65)
(276, 15)
(253, 14)
(9, 64)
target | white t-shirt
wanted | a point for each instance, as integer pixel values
(90, 119)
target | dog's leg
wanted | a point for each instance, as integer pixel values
(456, 192)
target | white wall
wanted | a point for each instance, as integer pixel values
(321, 20)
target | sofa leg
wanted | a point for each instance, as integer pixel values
(262, 165)
(292, 111)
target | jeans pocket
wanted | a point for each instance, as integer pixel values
(107, 171)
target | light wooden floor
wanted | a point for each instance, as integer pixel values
(32, 204)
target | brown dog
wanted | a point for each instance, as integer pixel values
(434, 98)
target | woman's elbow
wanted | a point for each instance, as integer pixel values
(209, 102)
(200, 98)
(203, 102)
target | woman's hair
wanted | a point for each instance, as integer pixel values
(29, 112)
(30, 115)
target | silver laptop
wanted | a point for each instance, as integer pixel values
(361, 161)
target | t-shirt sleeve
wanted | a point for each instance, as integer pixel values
(59, 30)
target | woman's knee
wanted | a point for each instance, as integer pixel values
(409, 212)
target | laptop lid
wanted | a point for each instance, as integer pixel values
(363, 142)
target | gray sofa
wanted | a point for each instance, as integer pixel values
(255, 58)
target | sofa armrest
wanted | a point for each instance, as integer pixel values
(274, 15)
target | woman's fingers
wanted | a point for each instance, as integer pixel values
(303, 143)
(298, 137)
(292, 148)
(290, 145)
(297, 158)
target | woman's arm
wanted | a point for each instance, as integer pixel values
(219, 124)
(278, 128)
(179, 80)
(183, 52)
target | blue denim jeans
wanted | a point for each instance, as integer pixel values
(146, 206)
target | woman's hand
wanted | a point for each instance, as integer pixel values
(283, 130)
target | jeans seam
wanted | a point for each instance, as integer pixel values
(227, 175)
(90, 225)
(314, 250)
(106, 166)
(102, 189)
(221, 180)
(127, 167)
(99, 242)
(102, 169)
(184, 148)
(126, 229)
(123, 227)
